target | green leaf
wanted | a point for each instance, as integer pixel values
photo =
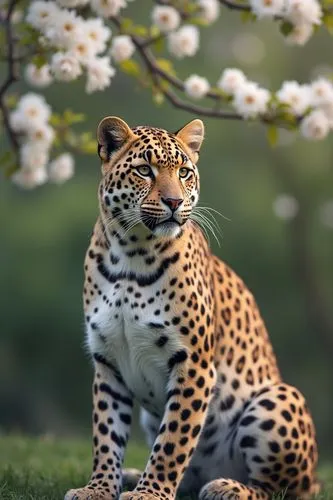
(27, 34)
(158, 45)
(70, 117)
(272, 135)
(6, 157)
(158, 97)
(39, 60)
(10, 169)
(288, 118)
(55, 120)
(190, 8)
(328, 22)
(248, 16)
(11, 101)
(88, 146)
(139, 30)
(199, 21)
(126, 24)
(286, 28)
(130, 67)
(166, 65)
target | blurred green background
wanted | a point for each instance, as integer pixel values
(45, 375)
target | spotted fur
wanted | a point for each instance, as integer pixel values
(171, 325)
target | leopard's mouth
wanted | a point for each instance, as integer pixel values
(169, 227)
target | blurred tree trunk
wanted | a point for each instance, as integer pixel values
(318, 309)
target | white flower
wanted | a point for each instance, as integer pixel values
(304, 11)
(300, 34)
(18, 121)
(315, 126)
(66, 28)
(98, 33)
(296, 96)
(285, 206)
(196, 86)
(326, 213)
(62, 168)
(231, 79)
(166, 18)
(72, 3)
(267, 8)
(33, 155)
(122, 48)
(43, 135)
(29, 178)
(184, 42)
(209, 10)
(83, 49)
(251, 100)
(107, 8)
(321, 92)
(31, 111)
(41, 14)
(38, 77)
(65, 66)
(99, 73)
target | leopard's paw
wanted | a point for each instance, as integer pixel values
(139, 495)
(86, 493)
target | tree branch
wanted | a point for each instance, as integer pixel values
(160, 76)
(230, 4)
(12, 72)
(156, 72)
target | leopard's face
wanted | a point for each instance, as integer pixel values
(151, 181)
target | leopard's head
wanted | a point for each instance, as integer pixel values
(150, 177)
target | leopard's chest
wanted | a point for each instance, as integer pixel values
(128, 325)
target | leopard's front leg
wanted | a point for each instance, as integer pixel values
(191, 382)
(112, 414)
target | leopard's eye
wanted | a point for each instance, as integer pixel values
(184, 173)
(144, 170)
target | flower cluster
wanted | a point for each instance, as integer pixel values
(303, 16)
(312, 104)
(78, 43)
(30, 122)
(248, 98)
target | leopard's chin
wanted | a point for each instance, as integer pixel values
(168, 229)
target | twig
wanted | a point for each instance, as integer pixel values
(12, 73)
(235, 5)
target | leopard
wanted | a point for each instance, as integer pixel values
(171, 326)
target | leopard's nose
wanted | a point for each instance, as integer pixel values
(172, 203)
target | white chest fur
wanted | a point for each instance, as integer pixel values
(128, 326)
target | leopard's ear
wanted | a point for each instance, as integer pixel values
(112, 134)
(192, 136)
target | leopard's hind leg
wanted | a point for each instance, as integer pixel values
(275, 436)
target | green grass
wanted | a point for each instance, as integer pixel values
(45, 468)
